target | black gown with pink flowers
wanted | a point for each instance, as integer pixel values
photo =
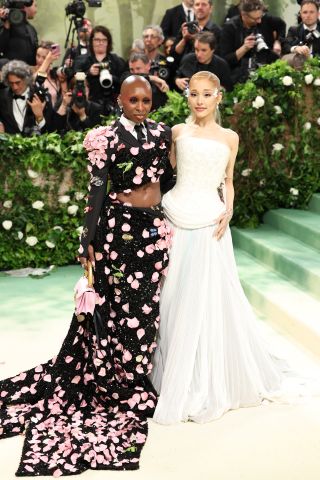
(88, 407)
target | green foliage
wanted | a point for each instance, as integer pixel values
(278, 165)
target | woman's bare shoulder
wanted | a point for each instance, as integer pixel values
(177, 130)
(231, 136)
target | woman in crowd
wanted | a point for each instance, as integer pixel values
(103, 69)
(55, 82)
(210, 358)
(87, 407)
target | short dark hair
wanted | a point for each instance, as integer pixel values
(135, 56)
(106, 32)
(247, 6)
(314, 2)
(207, 37)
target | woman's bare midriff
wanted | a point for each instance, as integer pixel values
(146, 196)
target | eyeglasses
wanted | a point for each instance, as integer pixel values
(100, 40)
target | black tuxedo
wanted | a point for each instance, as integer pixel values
(9, 122)
(297, 36)
(172, 21)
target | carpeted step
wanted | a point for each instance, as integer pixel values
(314, 204)
(284, 254)
(290, 309)
(300, 224)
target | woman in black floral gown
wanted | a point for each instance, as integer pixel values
(88, 407)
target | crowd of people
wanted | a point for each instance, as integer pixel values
(36, 97)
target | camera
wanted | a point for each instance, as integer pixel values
(79, 98)
(192, 27)
(105, 77)
(78, 8)
(161, 67)
(15, 14)
(260, 43)
(39, 88)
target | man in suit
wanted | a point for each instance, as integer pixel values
(21, 110)
(203, 58)
(19, 41)
(304, 39)
(175, 17)
(184, 43)
(240, 44)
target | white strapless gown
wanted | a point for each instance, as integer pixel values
(210, 356)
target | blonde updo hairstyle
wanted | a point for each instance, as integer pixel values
(212, 78)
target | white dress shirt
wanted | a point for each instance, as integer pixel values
(19, 107)
(186, 9)
(129, 125)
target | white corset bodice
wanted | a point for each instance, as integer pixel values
(194, 201)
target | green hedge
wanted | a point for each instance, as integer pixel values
(277, 166)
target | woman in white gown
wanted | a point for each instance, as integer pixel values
(210, 356)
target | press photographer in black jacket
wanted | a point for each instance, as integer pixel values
(19, 41)
(247, 40)
(103, 69)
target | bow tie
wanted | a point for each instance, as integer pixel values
(16, 97)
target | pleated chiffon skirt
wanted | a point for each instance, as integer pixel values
(210, 357)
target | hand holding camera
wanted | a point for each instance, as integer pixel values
(249, 42)
(189, 29)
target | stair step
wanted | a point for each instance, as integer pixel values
(300, 224)
(314, 204)
(291, 310)
(282, 253)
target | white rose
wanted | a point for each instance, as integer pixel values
(58, 228)
(72, 210)
(262, 182)
(276, 147)
(287, 80)
(7, 204)
(258, 102)
(20, 235)
(38, 205)
(79, 195)
(32, 173)
(7, 224)
(50, 244)
(64, 199)
(79, 230)
(31, 241)
(318, 120)
(246, 172)
(317, 82)
(308, 78)
(294, 191)
(235, 100)
(307, 126)
(278, 109)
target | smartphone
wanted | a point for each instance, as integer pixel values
(55, 48)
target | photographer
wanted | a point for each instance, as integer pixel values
(56, 82)
(174, 17)
(183, 45)
(204, 59)
(18, 40)
(304, 39)
(81, 49)
(23, 107)
(76, 112)
(139, 64)
(103, 69)
(247, 40)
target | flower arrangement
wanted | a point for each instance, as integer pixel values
(44, 179)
